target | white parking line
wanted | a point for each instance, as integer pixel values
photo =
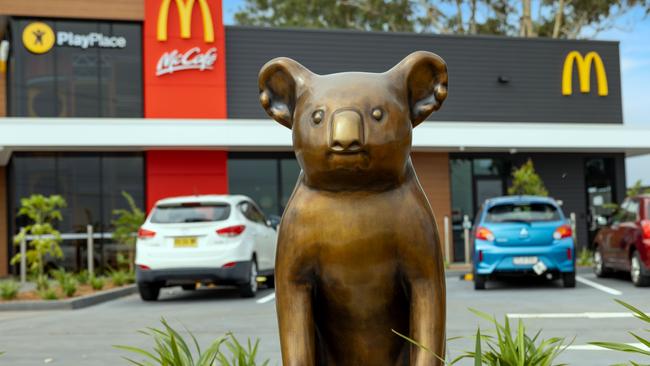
(586, 315)
(598, 286)
(591, 347)
(266, 298)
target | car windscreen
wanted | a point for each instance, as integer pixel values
(528, 212)
(190, 212)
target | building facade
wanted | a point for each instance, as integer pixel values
(157, 98)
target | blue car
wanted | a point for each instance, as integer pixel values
(519, 235)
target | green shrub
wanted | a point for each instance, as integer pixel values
(130, 277)
(83, 277)
(119, 278)
(67, 282)
(506, 349)
(97, 283)
(623, 347)
(9, 289)
(585, 257)
(172, 350)
(48, 294)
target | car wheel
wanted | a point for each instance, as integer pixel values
(569, 279)
(189, 287)
(249, 289)
(149, 291)
(600, 269)
(640, 278)
(479, 282)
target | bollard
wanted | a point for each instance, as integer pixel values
(89, 251)
(466, 226)
(448, 248)
(23, 262)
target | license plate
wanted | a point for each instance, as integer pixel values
(524, 261)
(185, 242)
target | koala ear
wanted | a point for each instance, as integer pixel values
(424, 76)
(280, 81)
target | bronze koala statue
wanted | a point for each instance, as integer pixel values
(358, 249)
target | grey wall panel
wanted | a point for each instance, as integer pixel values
(533, 66)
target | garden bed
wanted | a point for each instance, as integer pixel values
(84, 297)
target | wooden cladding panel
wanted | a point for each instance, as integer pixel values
(82, 9)
(433, 172)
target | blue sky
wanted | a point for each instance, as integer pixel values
(633, 33)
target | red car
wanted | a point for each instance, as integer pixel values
(623, 244)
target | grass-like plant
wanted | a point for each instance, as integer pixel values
(507, 348)
(119, 278)
(9, 289)
(48, 294)
(67, 282)
(623, 347)
(83, 277)
(172, 349)
(42, 282)
(97, 283)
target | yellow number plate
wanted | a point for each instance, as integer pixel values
(185, 242)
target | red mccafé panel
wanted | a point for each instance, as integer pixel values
(185, 172)
(175, 88)
(184, 93)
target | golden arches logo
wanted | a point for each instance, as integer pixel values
(184, 8)
(584, 73)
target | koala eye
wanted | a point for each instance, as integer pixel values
(377, 113)
(317, 116)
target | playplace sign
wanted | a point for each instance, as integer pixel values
(39, 37)
(184, 52)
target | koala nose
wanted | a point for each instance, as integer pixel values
(347, 131)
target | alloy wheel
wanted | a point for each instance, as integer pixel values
(598, 262)
(253, 277)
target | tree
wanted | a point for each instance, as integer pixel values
(370, 15)
(637, 189)
(525, 181)
(126, 224)
(43, 212)
(525, 18)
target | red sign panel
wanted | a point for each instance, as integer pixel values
(184, 59)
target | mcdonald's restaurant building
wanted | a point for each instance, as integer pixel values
(157, 98)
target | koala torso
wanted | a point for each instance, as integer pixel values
(352, 256)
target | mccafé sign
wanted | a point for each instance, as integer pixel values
(184, 52)
(194, 58)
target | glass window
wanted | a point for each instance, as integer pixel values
(257, 179)
(632, 211)
(526, 212)
(290, 170)
(71, 81)
(190, 212)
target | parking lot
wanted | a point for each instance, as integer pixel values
(85, 337)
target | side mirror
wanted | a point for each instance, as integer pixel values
(602, 221)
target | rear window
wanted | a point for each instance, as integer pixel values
(190, 212)
(527, 212)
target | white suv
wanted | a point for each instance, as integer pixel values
(224, 240)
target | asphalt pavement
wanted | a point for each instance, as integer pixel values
(85, 337)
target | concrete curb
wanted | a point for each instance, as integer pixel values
(70, 304)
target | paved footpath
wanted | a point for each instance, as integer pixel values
(85, 337)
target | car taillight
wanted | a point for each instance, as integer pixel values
(480, 256)
(145, 234)
(562, 232)
(484, 234)
(645, 229)
(143, 267)
(231, 231)
(230, 265)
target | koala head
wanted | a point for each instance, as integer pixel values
(353, 130)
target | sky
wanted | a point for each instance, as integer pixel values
(633, 33)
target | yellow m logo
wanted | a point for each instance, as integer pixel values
(584, 73)
(185, 19)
